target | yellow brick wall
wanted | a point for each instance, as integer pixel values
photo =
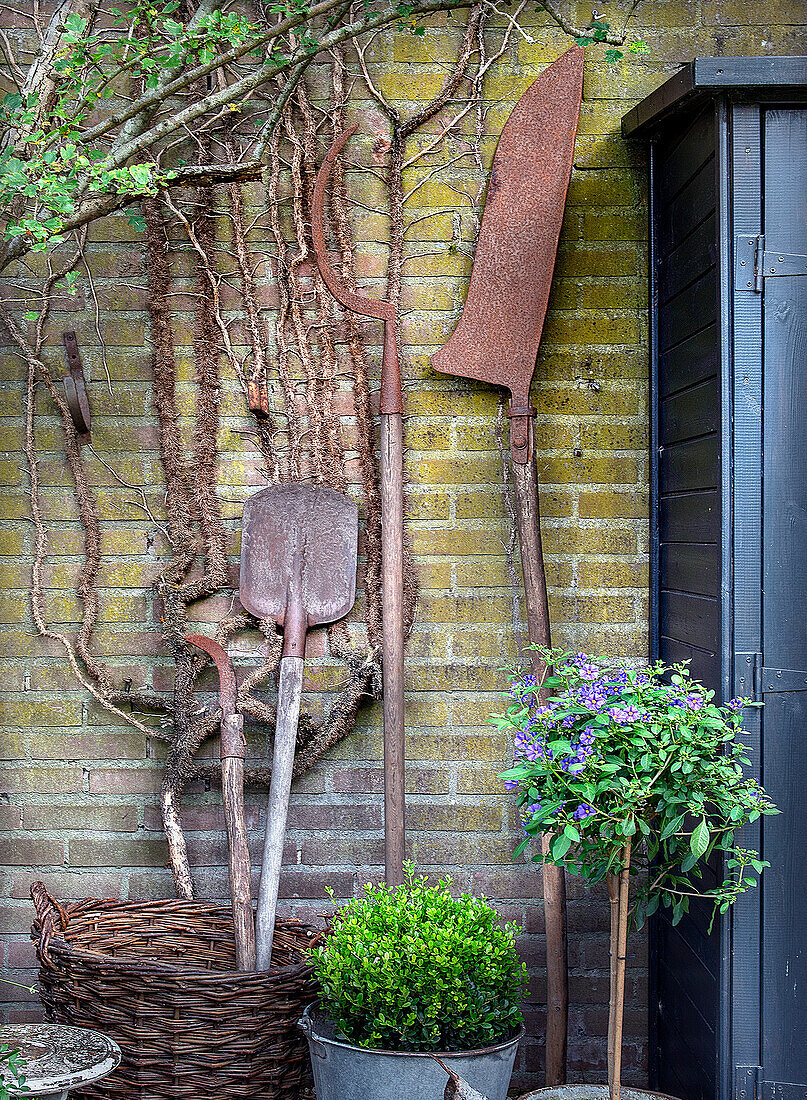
(78, 804)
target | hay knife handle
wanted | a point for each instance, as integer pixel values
(525, 483)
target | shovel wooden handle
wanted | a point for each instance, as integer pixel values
(240, 865)
(288, 712)
(525, 481)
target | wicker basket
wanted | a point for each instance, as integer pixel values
(159, 978)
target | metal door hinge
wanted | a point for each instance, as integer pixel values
(753, 263)
(747, 1080)
(748, 676)
(782, 1090)
(753, 679)
(783, 679)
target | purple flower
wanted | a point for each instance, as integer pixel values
(588, 672)
(624, 715)
(583, 811)
(511, 784)
(528, 812)
(594, 696)
(694, 702)
(735, 704)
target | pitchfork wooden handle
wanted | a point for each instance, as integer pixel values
(288, 713)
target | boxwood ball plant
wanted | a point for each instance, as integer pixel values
(417, 969)
(633, 770)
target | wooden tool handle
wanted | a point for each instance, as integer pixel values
(525, 480)
(392, 623)
(528, 520)
(288, 712)
(232, 786)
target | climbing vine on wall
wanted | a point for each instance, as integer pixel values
(171, 120)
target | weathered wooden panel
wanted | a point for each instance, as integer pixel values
(694, 464)
(690, 517)
(690, 207)
(703, 665)
(691, 413)
(689, 312)
(692, 619)
(689, 567)
(692, 361)
(688, 262)
(784, 601)
(685, 154)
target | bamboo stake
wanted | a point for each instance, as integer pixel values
(612, 882)
(618, 993)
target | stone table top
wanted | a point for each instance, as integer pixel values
(59, 1057)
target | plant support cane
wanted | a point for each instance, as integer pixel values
(619, 896)
(298, 567)
(392, 525)
(496, 340)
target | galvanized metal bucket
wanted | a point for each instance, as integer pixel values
(345, 1072)
(591, 1092)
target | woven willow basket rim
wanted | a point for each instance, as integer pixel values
(51, 938)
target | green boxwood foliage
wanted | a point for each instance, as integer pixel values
(417, 969)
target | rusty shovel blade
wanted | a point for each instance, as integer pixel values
(302, 535)
(498, 333)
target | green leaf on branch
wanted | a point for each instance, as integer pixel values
(699, 841)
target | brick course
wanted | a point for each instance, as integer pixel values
(78, 803)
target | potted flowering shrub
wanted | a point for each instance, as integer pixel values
(407, 974)
(638, 777)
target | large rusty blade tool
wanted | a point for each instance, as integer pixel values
(232, 791)
(392, 525)
(496, 340)
(298, 567)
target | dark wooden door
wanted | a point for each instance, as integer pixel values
(784, 607)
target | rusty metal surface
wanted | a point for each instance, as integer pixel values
(224, 667)
(258, 398)
(75, 386)
(233, 743)
(391, 389)
(498, 333)
(294, 530)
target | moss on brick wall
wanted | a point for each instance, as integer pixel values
(79, 808)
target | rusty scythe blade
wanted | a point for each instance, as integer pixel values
(498, 333)
(224, 667)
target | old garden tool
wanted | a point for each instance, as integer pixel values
(392, 526)
(75, 387)
(232, 789)
(496, 341)
(298, 567)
